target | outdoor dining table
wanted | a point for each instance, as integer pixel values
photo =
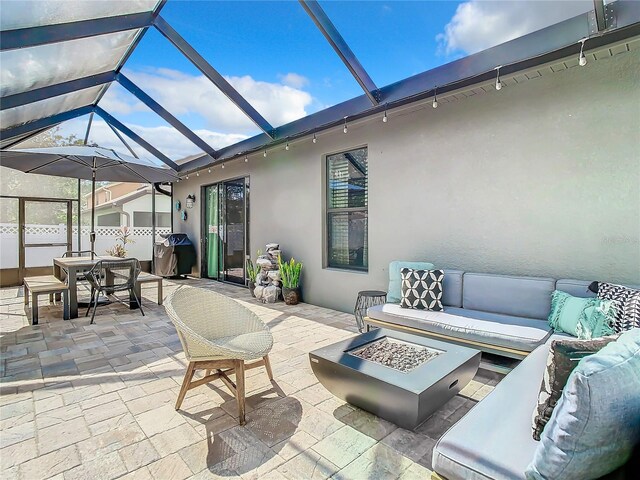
(70, 267)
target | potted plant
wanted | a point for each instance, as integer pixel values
(290, 274)
(119, 250)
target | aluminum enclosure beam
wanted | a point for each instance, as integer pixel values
(44, 123)
(19, 99)
(538, 48)
(136, 138)
(212, 74)
(601, 19)
(162, 112)
(62, 32)
(331, 33)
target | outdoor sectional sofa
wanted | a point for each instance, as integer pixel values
(499, 314)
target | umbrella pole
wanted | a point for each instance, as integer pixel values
(92, 235)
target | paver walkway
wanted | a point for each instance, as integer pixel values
(82, 401)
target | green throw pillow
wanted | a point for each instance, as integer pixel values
(584, 318)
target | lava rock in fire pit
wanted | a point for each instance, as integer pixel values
(395, 354)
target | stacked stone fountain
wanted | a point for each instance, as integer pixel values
(268, 281)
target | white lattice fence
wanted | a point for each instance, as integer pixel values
(106, 237)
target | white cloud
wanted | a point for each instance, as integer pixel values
(185, 94)
(294, 80)
(166, 139)
(480, 24)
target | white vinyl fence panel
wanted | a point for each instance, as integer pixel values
(106, 237)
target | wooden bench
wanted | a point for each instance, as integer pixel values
(145, 277)
(45, 284)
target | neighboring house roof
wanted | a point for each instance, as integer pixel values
(121, 200)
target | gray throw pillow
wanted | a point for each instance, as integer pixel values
(563, 357)
(596, 423)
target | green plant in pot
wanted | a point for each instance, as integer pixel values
(290, 275)
(252, 273)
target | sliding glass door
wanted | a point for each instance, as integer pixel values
(226, 230)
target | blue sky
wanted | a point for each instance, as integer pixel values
(275, 56)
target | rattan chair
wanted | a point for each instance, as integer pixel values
(218, 334)
(111, 276)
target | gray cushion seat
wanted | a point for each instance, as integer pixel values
(520, 333)
(494, 440)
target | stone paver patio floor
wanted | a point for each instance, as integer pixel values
(82, 401)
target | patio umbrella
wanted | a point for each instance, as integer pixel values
(88, 163)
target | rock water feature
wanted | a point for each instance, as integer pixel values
(268, 281)
(396, 354)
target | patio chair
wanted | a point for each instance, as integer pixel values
(111, 276)
(218, 334)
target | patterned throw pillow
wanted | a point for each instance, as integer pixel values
(564, 356)
(626, 304)
(422, 289)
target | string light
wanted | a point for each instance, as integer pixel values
(209, 169)
(435, 97)
(582, 60)
(498, 82)
(344, 130)
(287, 146)
(385, 119)
(187, 177)
(315, 139)
(246, 159)
(197, 174)
(223, 165)
(264, 154)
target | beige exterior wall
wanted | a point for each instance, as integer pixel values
(541, 178)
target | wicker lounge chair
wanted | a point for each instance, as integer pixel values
(218, 334)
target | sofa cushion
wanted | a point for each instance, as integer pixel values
(509, 295)
(596, 423)
(394, 292)
(518, 333)
(493, 440)
(452, 288)
(421, 289)
(576, 288)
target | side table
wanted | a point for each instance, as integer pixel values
(366, 299)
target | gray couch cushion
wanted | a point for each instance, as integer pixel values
(452, 288)
(494, 441)
(509, 295)
(576, 288)
(519, 333)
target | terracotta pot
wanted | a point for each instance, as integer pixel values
(292, 296)
(252, 287)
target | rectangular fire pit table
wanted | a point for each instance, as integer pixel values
(424, 373)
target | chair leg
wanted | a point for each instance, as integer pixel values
(90, 302)
(267, 366)
(188, 376)
(239, 368)
(95, 305)
(138, 300)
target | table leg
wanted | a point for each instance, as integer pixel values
(73, 293)
(65, 305)
(59, 274)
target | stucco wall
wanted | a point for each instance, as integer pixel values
(541, 178)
